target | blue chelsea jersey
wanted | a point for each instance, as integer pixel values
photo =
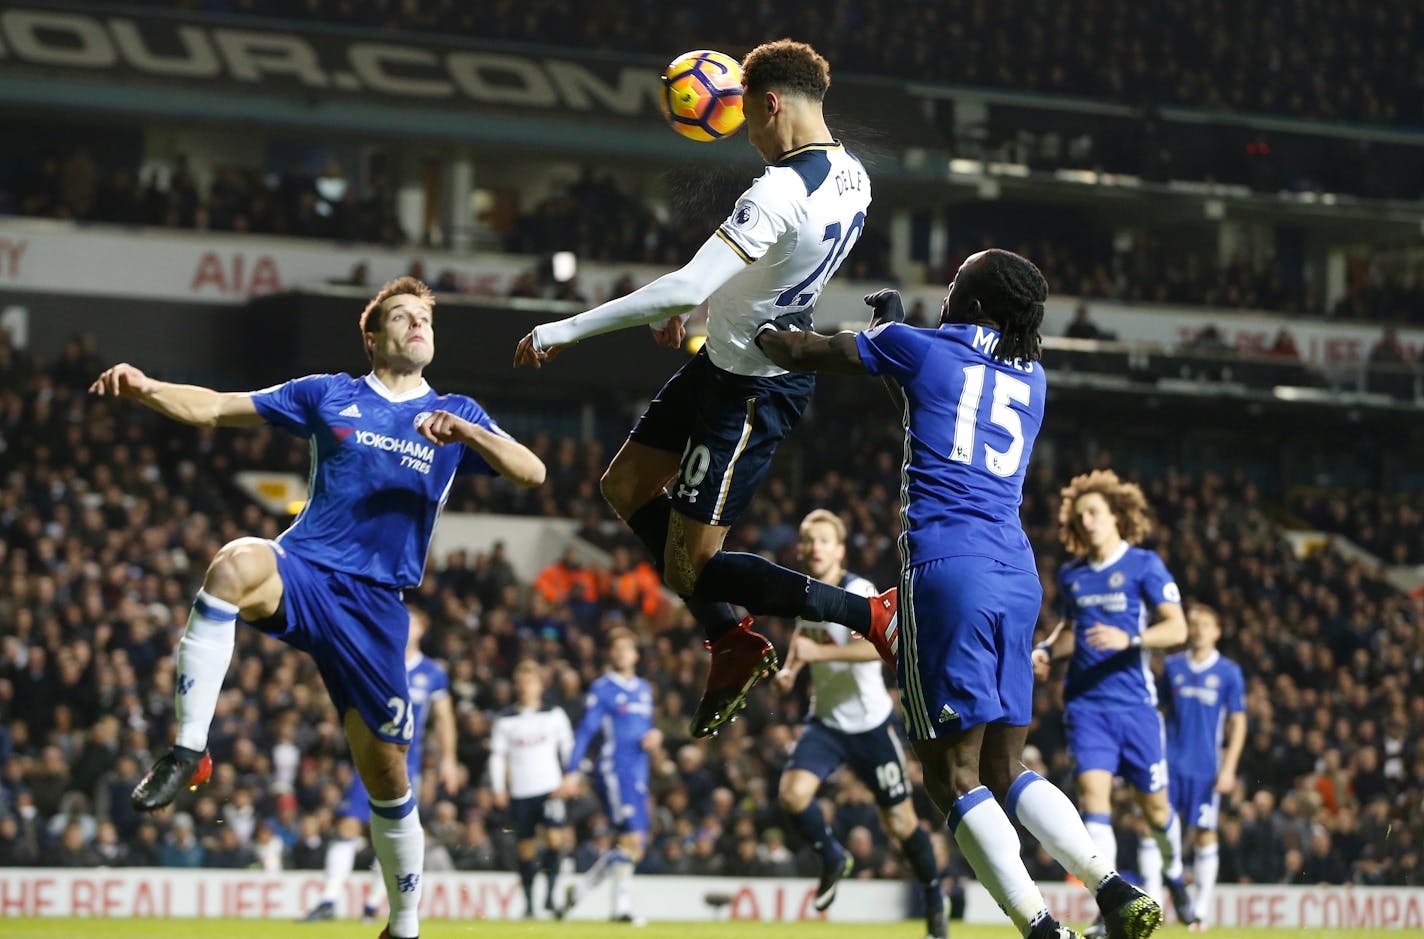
(970, 425)
(1123, 591)
(428, 682)
(622, 710)
(377, 486)
(1202, 695)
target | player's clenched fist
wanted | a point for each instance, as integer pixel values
(121, 381)
(442, 427)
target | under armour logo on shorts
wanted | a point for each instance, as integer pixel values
(407, 882)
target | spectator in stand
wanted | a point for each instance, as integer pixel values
(1389, 370)
(1082, 326)
(1283, 346)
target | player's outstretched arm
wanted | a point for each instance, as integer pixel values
(857, 650)
(674, 294)
(798, 351)
(505, 455)
(785, 679)
(190, 404)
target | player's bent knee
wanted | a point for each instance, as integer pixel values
(1157, 815)
(616, 487)
(901, 821)
(239, 568)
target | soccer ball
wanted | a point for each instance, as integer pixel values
(702, 95)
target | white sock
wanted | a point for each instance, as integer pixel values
(399, 842)
(991, 846)
(1149, 865)
(377, 896)
(622, 887)
(600, 869)
(1208, 860)
(340, 862)
(203, 656)
(1100, 829)
(1049, 816)
(1169, 842)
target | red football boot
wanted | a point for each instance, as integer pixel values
(885, 626)
(740, 659)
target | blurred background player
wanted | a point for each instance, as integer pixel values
(620, 707)
(973, 396)
(530, 744)
(1122, 603)
(429, 702)
(331, 584)
(1207, 706)
(710, 433)
(851, 723)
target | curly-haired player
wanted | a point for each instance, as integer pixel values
(1122, 603)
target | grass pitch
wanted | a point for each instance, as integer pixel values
(12, 928)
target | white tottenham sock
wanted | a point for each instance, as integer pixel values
(203, 657)
(399, 843)
(1049, 816)
(340, 862)
(1207, 863)
(991, 845)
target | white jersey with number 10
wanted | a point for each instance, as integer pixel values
(793, 228)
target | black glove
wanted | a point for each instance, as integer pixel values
(888, 307)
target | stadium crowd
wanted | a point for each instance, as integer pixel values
(1391, 528)
(109, 517)
(1256, 56)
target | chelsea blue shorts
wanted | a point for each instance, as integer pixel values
(1195, 800)
(624, 790)
(966, 637)
(1126, 741)
(356, 632)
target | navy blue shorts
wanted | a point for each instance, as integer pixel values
(1127, 741)
(624, 791)
(876, 756)
(356, 632)
(966, 640)
(726, 427)
(531, 814)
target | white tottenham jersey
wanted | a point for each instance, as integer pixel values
(847, 696)
(793, 228)
(531, 746)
